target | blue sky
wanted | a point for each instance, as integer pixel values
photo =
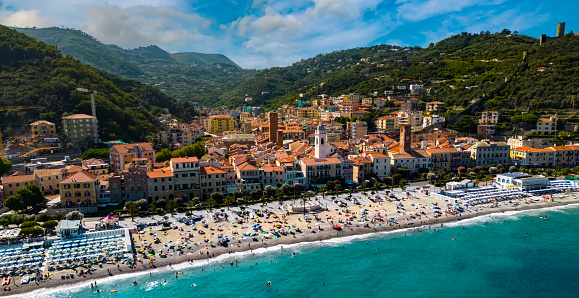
(266, 33)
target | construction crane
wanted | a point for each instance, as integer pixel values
(92, 93)
(10, 108)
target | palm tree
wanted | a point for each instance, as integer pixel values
(304, 200)
(229, 201)
(211, 203)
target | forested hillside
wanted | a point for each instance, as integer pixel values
(34, 73)
(458, 69)
(193, 77)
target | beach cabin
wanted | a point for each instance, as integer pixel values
(506, 180)
(466, 183)
(68, 228)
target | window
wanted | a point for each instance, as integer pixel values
(77, 194)
(87, 193)
(86, 185)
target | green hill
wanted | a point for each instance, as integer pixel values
(459, 70)
(192, 77)
(34, 73)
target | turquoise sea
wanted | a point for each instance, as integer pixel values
(514, 254)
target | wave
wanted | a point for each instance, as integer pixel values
(508, 215)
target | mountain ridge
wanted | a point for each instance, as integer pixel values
(34, 73)
(189, 76)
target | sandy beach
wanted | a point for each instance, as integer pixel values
(186, 243)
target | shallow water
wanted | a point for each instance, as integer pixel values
(513, 254)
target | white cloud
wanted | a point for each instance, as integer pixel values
(26, 18)
(144, 25)
(418, 10)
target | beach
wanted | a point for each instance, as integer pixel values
(416, 212)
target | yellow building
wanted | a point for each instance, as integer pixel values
(42, 128)
(218, 124)
(309, 113)
(48, 179)
(533, 156)
(12, 183)
(212, 180)
(387, 123)
(78, 190)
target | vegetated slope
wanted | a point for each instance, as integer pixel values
(34, 73)
(459, 69)
(185, 76)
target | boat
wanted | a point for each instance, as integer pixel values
(25, 279)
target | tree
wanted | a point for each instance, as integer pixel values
(133, 209)
(32, 231)
(270, 190)
(170, 206)
(26, 197)
(28, 224)
(50, 225)
(4, 221)
(14, 203)
(74, 215)
(217, 197)
(5, 166)
(211, 203)
(431, 176)
(229, 200)
(95, 153)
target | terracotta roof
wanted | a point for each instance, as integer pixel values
(47, 172)
(160, 174)
(245, 166)
(221, 116)
(184, 159)
(73, 168)
(127, 148)
(529, 149)
(80, 177)
(210, 170)
(320, 161)
(269, 168)
(17, 179)
(78, 116)
(39, 122)
(441, 150)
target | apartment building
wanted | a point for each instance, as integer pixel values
(186, 175)
(42, 128)
(81, 129)
(122, 155)
(78, 190)
(160, 185)
(357, 130)
(490, 117)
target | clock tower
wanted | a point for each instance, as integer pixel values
(405, 138)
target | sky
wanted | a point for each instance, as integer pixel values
(266, 33)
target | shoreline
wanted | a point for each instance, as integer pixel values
(54, 283)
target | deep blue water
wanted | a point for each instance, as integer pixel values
(513, 255)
